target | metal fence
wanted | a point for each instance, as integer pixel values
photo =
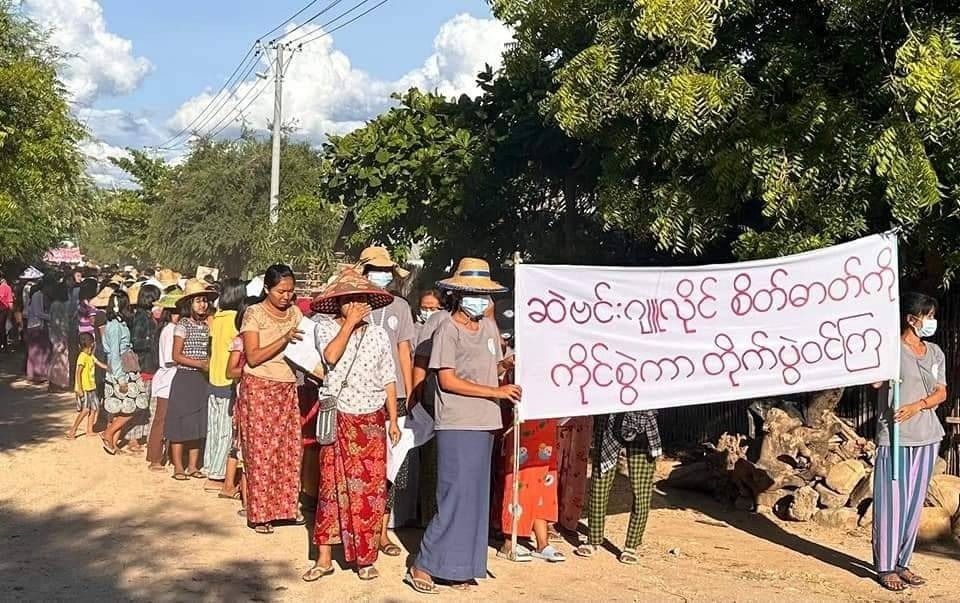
(692, 425)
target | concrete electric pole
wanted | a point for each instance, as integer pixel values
(278, 69)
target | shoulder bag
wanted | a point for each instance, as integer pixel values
(327, 413)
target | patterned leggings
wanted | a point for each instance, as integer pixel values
(640, 468)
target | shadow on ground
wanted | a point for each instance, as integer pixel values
(70, 554)
(29, 414)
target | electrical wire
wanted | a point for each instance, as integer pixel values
(317, 35)
(240, 112)
(190, 126)
(289, 19)
(225, 99)
(313, 18)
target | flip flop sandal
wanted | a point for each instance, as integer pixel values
(242, 513)
(197, 475)
(585, 551)
(521, 555)
(234, 496)
(910, 578)
(316, 572)
(554, 536)
(156, 469)
(263, 528)
(463, 586)
(629, 557)
(368, 573)
(391, 550)
(550, 554)
(180, 477)
(892, 582)
(424, 587)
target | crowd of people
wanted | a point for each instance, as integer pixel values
(195, 376)
(192, 375)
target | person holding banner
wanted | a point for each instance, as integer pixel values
(898, 499)
(637, 433)
(465, 357)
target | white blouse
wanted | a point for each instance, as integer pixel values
(365, 388)
(164, 375)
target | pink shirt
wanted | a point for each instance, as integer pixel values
(6, 296)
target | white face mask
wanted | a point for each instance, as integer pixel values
(475, 307)
(928, 327)
(380, 279)
(426, 314)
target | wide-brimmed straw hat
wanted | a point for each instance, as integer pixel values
(379, 257)
(472, 276)
(102, 300)
(349, 282)
(167, 278)
(134, 293)
(195, 287)
(170, 299)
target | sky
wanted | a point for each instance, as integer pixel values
(138, 73)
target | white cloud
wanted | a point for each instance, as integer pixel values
(325, 94)
(103, 62)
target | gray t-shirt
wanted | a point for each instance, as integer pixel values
(474, 358)
(397, 321)
(919, 377)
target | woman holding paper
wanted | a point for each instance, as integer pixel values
(465, 357)
(353, 469)
(269, 417)
(897, 502)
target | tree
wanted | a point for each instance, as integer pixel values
(761, 126)
(42, 181)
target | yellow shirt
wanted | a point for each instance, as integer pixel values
(222, 332)
(85, 368)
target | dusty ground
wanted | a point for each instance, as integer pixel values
(76, 524)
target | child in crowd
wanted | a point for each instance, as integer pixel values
(234, 371)
(85, 386)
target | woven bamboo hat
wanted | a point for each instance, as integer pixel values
(349, 282)
(167, 278)
(195, 287)
(379, 257)
(102, 300)
(472, 276)
(170, 298)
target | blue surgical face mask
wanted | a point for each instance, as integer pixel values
(475, 307)
(928, 327)
(426, 314)
(380, 279)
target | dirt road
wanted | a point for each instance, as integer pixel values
(76, 524)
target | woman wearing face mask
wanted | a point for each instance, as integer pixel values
(465, 357)
(923, 387)
(428, 305)
(396, 320)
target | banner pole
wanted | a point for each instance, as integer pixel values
(515, 509)
(895, 432)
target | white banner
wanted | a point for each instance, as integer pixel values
(598, 339)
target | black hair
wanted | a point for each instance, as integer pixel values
(149, 272)
(185, 307)
(88, 289)
(86, 340)
(275, 274)
(118, 308)
(449, 300)
(149, 295)
(232, 293)
(245, 303)
(432, 293)
(916, 305)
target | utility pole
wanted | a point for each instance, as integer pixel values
(278, 68)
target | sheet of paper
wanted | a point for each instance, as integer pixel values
(304, 353)
(416, 429)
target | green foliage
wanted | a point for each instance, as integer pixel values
(42, 182)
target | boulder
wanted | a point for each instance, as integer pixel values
(771, 498)
(944, 492)
(830, 499)
(935, 525)
(844, 477)
(804, 504)
(839, 518)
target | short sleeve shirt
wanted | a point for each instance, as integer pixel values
(360, 377)
(473, 356)
(85, 370)
(919, 377)
(271, 328)
(397, 321)
(196, 338)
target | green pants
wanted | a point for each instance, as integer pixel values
(640, 469)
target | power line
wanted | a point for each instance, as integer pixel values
(189, 127)
(240, 112)
(291, 18)
(225, 98)
(313, 18)
(321, 33)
